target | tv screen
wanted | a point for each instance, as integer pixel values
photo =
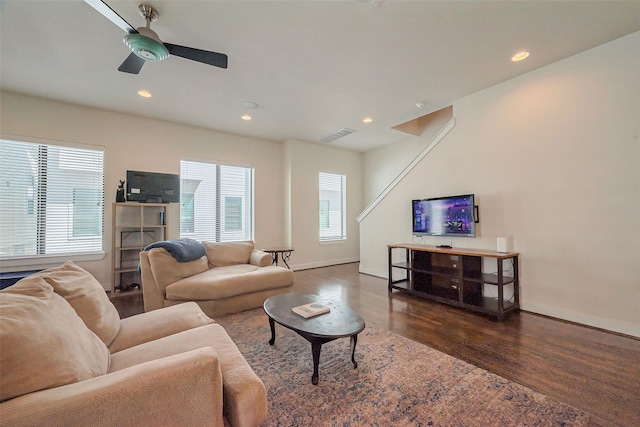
(151, 187)
(444, 216)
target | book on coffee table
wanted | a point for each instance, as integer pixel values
(310, 310)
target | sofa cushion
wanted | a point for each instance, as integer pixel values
(151, 325)
(221, 254)
(44, 342)
(167, 270)
(225, 282)
(87, 297)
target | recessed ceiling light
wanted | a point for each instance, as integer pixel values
(520, 56)
(246, 117)
(144, 93)
(367, 120)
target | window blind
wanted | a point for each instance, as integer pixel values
(332, 206)
(51, 199)
(216, 202)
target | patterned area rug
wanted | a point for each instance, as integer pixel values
(398, 382)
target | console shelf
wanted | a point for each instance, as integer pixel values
(134, 226)
(456, 277)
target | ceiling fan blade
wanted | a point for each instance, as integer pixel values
(212, 58)
(132, 64)
(111, 15)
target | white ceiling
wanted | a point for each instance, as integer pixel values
(313, 66)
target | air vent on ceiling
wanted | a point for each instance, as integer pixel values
(337, 134)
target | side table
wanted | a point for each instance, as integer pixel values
(280, 252)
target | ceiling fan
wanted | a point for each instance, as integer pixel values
(145, 44)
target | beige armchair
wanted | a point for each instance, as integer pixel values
(68, 360)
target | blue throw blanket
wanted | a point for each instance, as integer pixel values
(183, 250)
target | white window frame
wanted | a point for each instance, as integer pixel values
(43, 180)
(209, 185)
(332, 192)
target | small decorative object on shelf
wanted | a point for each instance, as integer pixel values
(120, 192)
(310, 310)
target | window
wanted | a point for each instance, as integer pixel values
(216, 202)
(51, 199)
(232, 213)
(324, 214)
(87, 204)
(332, 206)
(186, 212)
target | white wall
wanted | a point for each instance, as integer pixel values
(306, 161)
(554, 160)
(137, 143)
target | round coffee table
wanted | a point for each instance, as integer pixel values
(340, 322)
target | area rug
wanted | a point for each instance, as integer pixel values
(398, 382)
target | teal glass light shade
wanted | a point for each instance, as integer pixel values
(146, 47)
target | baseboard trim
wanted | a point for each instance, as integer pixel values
(373, 272)
(622, 328)
(571, 322)
(325, 263)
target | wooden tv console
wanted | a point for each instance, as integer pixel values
(456, 277)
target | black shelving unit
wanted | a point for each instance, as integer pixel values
(456, 277)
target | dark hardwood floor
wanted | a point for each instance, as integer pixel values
(590, 369)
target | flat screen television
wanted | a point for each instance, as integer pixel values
(152, 187)
(444, 216)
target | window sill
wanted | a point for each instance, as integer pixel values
(45, 261)
(333, 242)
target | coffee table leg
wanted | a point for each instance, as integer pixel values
(272, 325)
(315, 349)
(354, 341)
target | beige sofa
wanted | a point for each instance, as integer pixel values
(67, 359)
(231, 277)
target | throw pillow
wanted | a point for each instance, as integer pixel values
(221, 254)
(87, 297)
(167, 270)
(44, 342)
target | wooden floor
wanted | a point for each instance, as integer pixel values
(595, 371)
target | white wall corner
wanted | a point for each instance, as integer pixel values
(430, 146)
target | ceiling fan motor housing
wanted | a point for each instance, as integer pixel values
(146, 44)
